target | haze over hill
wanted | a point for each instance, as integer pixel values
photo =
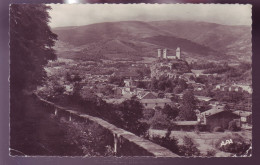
(132, 39)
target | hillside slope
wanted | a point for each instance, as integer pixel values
(231, 40)
(130, 39)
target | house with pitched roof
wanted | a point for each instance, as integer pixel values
(147, 95)
(217, 117)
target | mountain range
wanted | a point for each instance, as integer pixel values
(136, 39)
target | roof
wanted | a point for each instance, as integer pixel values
(213, 111)
(188, 74)
(197, 71)
(198, 97)
(115, 101)
(204, 98)
(186, 122)
(149, 95)
(127, 96)
(243, 113)
(155, 101)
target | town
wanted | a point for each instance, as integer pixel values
(174, 93)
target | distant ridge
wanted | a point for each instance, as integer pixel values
(137, 38)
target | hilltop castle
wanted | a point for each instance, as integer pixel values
(162, 54)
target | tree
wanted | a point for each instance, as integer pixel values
(31, 42)
(177, 90)
(77, 78)
(188, 105)
(188, 98)
(132, 112)
(140, 73)
(107, 90)
(182, 83)
(161, 85)
(154, 84)
(187, 113)
(73, 78)
(245, 66)
(159, 120)
(141, 84)
(168, 142)
(171, 112)
(211, 153)
(232, 126)
(188, 148)
(31, 47)
(116, 80)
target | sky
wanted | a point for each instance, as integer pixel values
(84, 14)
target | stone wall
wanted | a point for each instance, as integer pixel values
(124, 144)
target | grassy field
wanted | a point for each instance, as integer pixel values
(205, 141)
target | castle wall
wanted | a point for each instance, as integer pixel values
(159, 53)
(165, 53)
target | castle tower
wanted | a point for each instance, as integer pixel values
(165, 53)
(159, 53)
(178, 53)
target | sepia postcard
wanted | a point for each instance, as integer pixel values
(153, 80)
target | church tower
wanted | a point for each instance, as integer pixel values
(178, 53)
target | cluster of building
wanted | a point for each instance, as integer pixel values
(172, 66)
(200, 74)
(171, 69)
(216, 117)
(149, 99)
(234, 88)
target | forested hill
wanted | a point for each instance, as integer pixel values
(136, 38)
(232, 40)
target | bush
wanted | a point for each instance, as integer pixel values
(211, 153)
(197, 129)
(159, 121)
(148, 113)
(188, 148)
(167, 142)
(141, 129)
(218, 129)
(171, 112)
(236, 145)
(232, 126)
(132, 112)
